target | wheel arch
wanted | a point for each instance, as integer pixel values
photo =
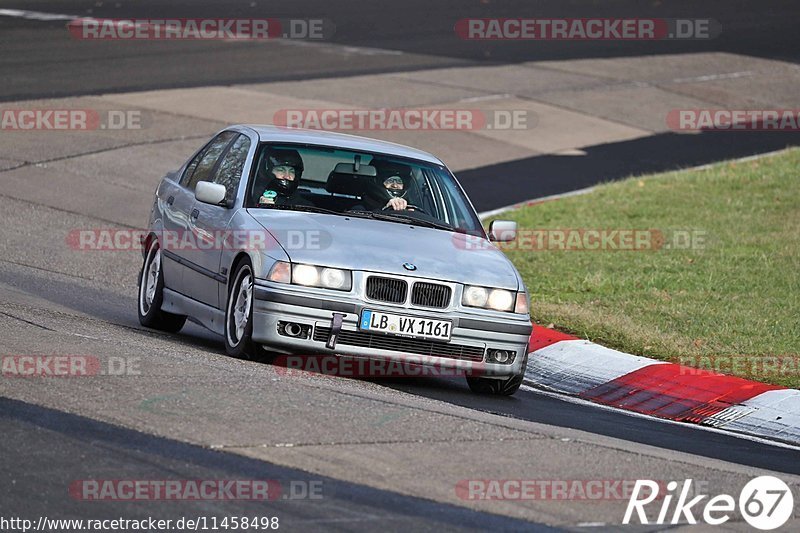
(147, 241)
(237, 260)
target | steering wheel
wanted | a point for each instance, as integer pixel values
(409, 207)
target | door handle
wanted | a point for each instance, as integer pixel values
(195, 214)
(170, 200)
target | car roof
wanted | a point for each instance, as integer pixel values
(268, 133)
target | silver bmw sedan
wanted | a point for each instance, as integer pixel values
(289, 241)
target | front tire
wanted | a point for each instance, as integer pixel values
(498, 387)
(239, 315)
(151, 294)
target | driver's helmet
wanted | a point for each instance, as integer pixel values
(278, 162)
(392, 181)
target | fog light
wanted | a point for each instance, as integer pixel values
(292, 329)
(501, 356)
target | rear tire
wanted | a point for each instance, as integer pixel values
(498, 387)
(151, 294)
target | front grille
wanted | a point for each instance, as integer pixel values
(387, 289)
(430, 295)
(365, 339)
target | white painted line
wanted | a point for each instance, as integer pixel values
(323, 46)
(34, 15)
(576, 192)
(340, 49)
(587, 403)
(485, 97)
(743, 159)
(364, 50)
(493, 212)
(715, 77)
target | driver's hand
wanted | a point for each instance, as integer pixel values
(398, 204)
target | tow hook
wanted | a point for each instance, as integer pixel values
(336, 327)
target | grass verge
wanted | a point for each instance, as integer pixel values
(721, 289)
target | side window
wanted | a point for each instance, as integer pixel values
(192, 165)
(203, 169)
(457, 205)
(230, 168)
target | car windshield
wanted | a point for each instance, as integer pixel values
(374, 185)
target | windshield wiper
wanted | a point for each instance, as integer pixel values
(400, 217)
(307, 208)
(393, 217)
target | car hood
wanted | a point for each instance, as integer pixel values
(379, 246)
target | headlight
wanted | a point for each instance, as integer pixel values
(334, 278)
(501, 300)
(495, 299)
(475, 296)
(305, 275)
(311, 276)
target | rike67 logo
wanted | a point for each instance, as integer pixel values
(765, 503)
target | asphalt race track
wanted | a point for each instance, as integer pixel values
(347, 505)
(422, 30)
(389, 453)
(42, 61)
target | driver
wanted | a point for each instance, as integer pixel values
(389, 188)
(283, 171)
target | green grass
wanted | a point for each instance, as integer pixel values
(738, 295)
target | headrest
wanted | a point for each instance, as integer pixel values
(349, 184)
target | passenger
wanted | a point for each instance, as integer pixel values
(283, 168)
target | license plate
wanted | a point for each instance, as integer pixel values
(406, 326)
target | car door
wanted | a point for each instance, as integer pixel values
(175, 203)
(178, 240)
(209, 223)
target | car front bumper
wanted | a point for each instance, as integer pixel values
(471, 336)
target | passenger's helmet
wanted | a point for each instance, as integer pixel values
(279, 158)
(378, 189)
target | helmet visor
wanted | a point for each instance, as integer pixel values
(284, 172)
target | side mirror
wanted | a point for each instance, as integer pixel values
(209, 193)
(502, 230)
